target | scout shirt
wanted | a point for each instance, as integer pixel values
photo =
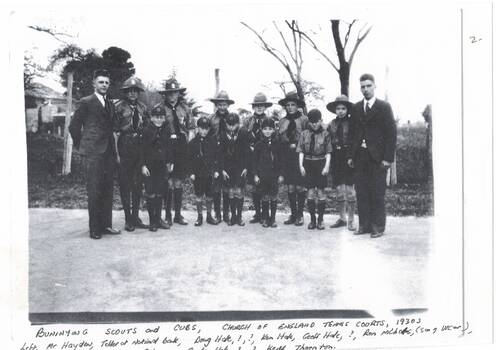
(128, 123)
(322, 144)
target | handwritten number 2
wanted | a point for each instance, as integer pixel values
(474, 39)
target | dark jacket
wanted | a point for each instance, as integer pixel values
(218, 124)
(156, 148)
(129, 136)
(234, 152)
(378, 129)
(267, 157)
(202, 163)
(91, 126)
(339, 130)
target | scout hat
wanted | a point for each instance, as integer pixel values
(291, 96)
(232, 119)
(171, 85)
(133, 83)
(267, 122)
(340, 100)
(203, 123)
(158, 110)
(222, 96)
(314, 115)
(261, 100)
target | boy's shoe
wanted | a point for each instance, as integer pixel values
(312, 225)
(199, 221)
(362, 230)
(139, 223)
(128, 226)
(338, 223)
(351, 226)
(272, 223)
(255, 219)
(290, 221)
(152, 227)
(180, 220)
(211, 221)
(240, 221)
(232, 221)
(320, 225)
(226, 218)
(265, 223)
(300, 221)
(162, 224)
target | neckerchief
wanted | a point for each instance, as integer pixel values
(176, 123)
(292, 127)
(313, 138)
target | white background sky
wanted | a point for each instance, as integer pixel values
(160, 39)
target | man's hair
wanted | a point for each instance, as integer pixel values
(367, 76)
(101, 73)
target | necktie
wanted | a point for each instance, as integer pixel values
(200, 147)
(176, 124)
(292, 126)
(313, 142)
(107, 105)
(136, 118)
(368, 108)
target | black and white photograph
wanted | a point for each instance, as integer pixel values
(221, 162)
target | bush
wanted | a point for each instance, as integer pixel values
(412, 156)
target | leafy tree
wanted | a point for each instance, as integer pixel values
(31, 71)
(83, 63)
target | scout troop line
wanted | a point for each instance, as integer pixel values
(160, 150)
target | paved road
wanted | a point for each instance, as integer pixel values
(224, 268)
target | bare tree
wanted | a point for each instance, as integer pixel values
(344, 63)
(290, 57)
(52, 32)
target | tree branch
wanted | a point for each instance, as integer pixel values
(360, 38)
(348, 34)
(51, 32)
(284, 41)
(312, 44)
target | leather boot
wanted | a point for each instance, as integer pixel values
(209, 219)
(135, 210)
(164, 224)
(200, 218)
(226, 208)
(178, 199)
(152, 215)
(232, 206)
(256, 198)
(300, 208)
(168, 201)
(217, 207)
(239, 211)
(311, 206)
(292, 198)
(265, 214)
(351, 212)
(321, 208)
(272, 219)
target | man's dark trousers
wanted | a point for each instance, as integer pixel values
(370, 183)
(100, 187)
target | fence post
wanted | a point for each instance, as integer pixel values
(66, 163)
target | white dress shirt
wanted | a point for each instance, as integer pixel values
(369, 102)
(101, 98)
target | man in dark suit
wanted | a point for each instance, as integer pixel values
(95, 142)
(371, 152)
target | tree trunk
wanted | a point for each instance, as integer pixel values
(344, 74)
(66, 163)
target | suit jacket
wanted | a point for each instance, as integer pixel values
(96, 124)
(205, 163)
(267, 158)
(234, 154)
(377, 128)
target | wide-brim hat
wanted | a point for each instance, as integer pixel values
(291, 97)
(132, 83)
(261, 100)
(171, 85)
(222, 96)
(340, 100)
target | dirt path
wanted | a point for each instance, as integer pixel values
(223, 268)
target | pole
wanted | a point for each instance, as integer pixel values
(66, 164)
(216, 77)
(392, 172)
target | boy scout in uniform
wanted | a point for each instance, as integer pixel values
(267, 170)
(180, 124)
(203, 167)
(342, 176)
(233, 156)
(218, 128)
(155, 161)
(290, 128)
(130, 115)
(253, 127)
(314, 150)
